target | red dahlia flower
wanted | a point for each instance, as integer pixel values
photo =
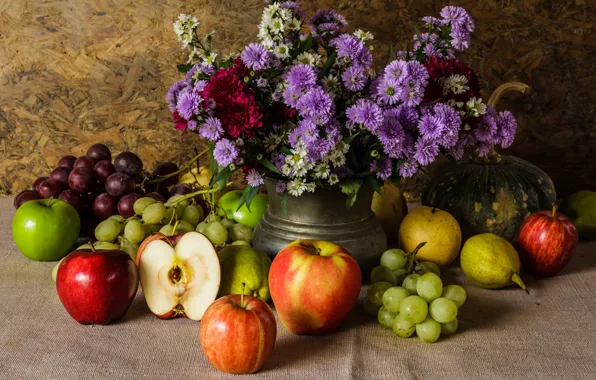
(440, 68)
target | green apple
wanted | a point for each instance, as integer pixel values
(45, 229)
(228, 204)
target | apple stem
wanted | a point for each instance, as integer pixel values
(242, 296)
(433, 210)
(199, 192)
(182, 168)
(555, 207)
(516, 279)
(92, 247)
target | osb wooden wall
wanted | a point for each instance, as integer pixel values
(76, 72)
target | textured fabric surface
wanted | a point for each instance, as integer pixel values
(504, 334)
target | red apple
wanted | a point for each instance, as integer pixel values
(314, 284)
(180, 274)
(547, 241)
(238, 334)
(97, 287)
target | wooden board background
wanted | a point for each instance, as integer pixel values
(76, 72)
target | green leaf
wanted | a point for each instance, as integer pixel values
(284, 203)
(184, 68)
(285, 150)
(306, 44)
(350, 187)
(247, 196)
(352, 137)
(328, 64)
(270, 166)
(375, 183)
(222, 175)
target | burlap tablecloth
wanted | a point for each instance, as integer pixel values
(504, 334)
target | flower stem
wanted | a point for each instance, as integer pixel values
(182, 168)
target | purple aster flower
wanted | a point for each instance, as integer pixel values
(278, 160)
(301, 77)
(395, 69)
(192, 124)
(354, 79)
(289, 5)
(412, 96)
(188, 103)
(393, 138)
(507, 126)
(225, 152)
(363, 57)
(452, 124)
(389, 91)
(382, 167)
(433, 20)
(426, 151)
(484, 149)
(280, 186)
(407, 116)
(262, 82)
(326, 22)
(408, 168)
(254, 178)
(431, 126)
(367, 113)
(460, 38)
(457, 16)
(425, 38)
(343, 172)
(191, 73)
(487, 130)
(316, 104)
(239, 161)
(347, 46)
(292, 96)
(199, 86)
(256, 56)
(416, 73)
(207, 68)
(211, 129)
(173, 94)
(457, 152)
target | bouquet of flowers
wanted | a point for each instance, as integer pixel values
(305, 107)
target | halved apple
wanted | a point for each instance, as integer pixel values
(180, 275)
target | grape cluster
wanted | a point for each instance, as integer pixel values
(421, 304)
(99, 188)
(177, 215)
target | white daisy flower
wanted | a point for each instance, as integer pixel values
(364, 36)
(276, 25)
(337, 158)
(285, 14)
(321, 171)
(310, 187)
(282, 51)
(294, 24)
(454, 83)
(271, 142)
(296, 187)
(210, 59)
(333, 179)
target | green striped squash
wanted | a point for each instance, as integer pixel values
(491, 197)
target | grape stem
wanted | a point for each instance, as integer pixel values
(182, 169)
(199, 192)
(412, 256)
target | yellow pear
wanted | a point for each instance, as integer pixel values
(203, 175)
(437, 228)
(390, 209)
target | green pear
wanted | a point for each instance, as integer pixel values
(242, 264)
(490, 262)
(580, 207)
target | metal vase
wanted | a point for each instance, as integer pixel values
(323, 215)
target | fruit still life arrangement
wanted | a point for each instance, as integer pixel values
(184, 234)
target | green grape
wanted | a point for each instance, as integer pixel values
(103, 245)
(410, 283)
(184, 226)
(449, 328)
(381, 273)
(443, 310)
(107, 230)
(141, 204)
(178, 207)
(169, 215)
(402, 327)
(427, 266)
(134, 231)
(201, 227)
(151, 228)
(227, 223)
(385, 317)
(429, 330)
(455, 293)
(400, 275)
(154, 213)
(240, 242)
(429, 287)
(241, 232)
(393, 297)
(394, 259)
(192, 214)
(129, 248)
(118, 218)
(167, 230)
(376, 291)
(212, 218)
(414, 309)
(217, 233)
(370, 308)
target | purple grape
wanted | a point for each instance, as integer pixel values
(165, 168)
(85, 161)
(157, 196)
(119, 184)
(128, 163)
(38, 181)
(81, 179)
(25, 196)
(67, 162)
(74, 199)
(125, 205)
(49, 188)
(60, 174)
(180, 189)
(104, 206)
(103, 169)
(99, 152)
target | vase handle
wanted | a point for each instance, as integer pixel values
(505, 87)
